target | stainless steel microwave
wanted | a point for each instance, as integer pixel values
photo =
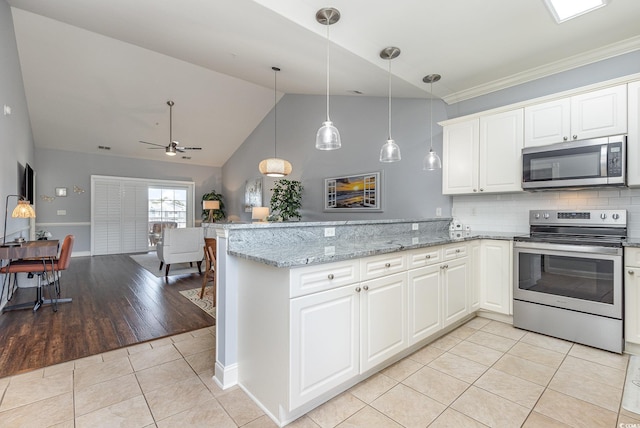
(575, 164)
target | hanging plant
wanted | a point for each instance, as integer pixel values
(286, 199)
(218, 214)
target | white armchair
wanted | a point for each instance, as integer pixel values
(180, 246)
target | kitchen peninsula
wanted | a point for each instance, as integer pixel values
(305, 310)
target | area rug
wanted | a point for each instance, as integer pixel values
(150, 262)
(631, 394)
(206, 303)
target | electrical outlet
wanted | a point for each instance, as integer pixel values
(414, 226)
(473, 210)
(415, 240)
(62, 212)
(438, 212)
(329, 231)
(330, 251)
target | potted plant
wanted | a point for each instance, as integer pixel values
(217, 214)
(286, 199)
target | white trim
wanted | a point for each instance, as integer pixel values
(583, 89)
(590, 57)
(226, 377)
(69, 224)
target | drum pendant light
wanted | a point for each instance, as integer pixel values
(432, 161)
(328, 137)
(275, 167)
(390, 151)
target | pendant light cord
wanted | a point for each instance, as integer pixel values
(390, 99)
(431, 115)
(170, 124)
(275, 112)
(328, 25)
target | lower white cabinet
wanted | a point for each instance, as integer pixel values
(425, 302)
(475, 273)
(454, 285)
(383, 319)
(632, 295)
(325, 337)
(496, 276)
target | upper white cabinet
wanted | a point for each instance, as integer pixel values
(483, 155)
(590, 115)
(633, 137)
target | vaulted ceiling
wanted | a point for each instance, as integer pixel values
(99, 73)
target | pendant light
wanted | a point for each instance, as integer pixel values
(328, 137)
(275, 167)
(390, 151)
(431, 161)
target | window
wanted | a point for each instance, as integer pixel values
(168, 204)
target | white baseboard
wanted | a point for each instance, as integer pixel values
(226, 377)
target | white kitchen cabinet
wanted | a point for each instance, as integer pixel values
(425, 302)
(325, 334)
(461, 143)
(633, 136)
(483, 155)
(632, 295)
(593, 114)
(454, 284)
(496, 276)
(475, 274)
(315, 278)
(383, 319)
(384, 264)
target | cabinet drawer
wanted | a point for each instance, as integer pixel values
(384, 264)
(454, 251)
(632, 256)
(424, 257)
(311, 279)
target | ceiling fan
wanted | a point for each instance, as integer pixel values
(174, 147)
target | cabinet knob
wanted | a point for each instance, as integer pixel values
(481, 189)
(365, 288)
(428, 256)
(565, 138)
(357, 289)
(330, 276)
(575, 137)
(630, 272)
(457, 250)
(474, 190)
(387, 265)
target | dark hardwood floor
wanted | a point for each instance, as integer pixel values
(116, 303)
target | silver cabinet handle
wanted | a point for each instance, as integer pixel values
(458, 250)
(428, 256)
(330, 276)
(565, 138)
(475, 190)
(387, 265)
(630, 272)
(357, 289)
(481, 189)
(365, 288)
(575, 137)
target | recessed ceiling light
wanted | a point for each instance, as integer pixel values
(564, 10)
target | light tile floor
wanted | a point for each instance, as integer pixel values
(485, 373)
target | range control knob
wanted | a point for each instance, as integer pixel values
(546, 215)
(536, 216)
(615, 216)
(603, 216)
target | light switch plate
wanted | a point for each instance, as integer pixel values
(329, 231)
(414, 226)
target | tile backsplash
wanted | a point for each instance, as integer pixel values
(510, 212)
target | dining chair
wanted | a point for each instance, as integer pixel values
(48, 271)
(210, 271)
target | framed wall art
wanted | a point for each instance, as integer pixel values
(252, 194)
(353, 193)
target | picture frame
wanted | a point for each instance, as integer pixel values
(61, 192)
(252, 194)
(354, 193)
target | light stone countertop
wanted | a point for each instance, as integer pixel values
(327, 250)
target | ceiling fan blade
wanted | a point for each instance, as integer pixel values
(191, 148)
(153, 144)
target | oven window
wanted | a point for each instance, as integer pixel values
(575, 277)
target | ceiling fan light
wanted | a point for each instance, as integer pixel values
(328, 137)
(170, 150)
(390, 152)
(275, 167)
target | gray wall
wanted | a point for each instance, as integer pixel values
(408, 191)
(57, 168)
(16, 142)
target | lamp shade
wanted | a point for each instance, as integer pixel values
(390, 152)
(431, 161)
(210, 205)
(275, 167)
(328, 137)
(23, 210)
(259, 213)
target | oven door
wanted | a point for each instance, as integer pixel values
(576, 277)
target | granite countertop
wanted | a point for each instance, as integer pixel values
(331, 250)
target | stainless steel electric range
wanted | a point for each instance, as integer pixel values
(569, 276)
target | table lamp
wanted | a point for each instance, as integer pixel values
(210, 205)
(22, 210)
(259, 214)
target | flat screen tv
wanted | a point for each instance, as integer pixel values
(28, 184)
